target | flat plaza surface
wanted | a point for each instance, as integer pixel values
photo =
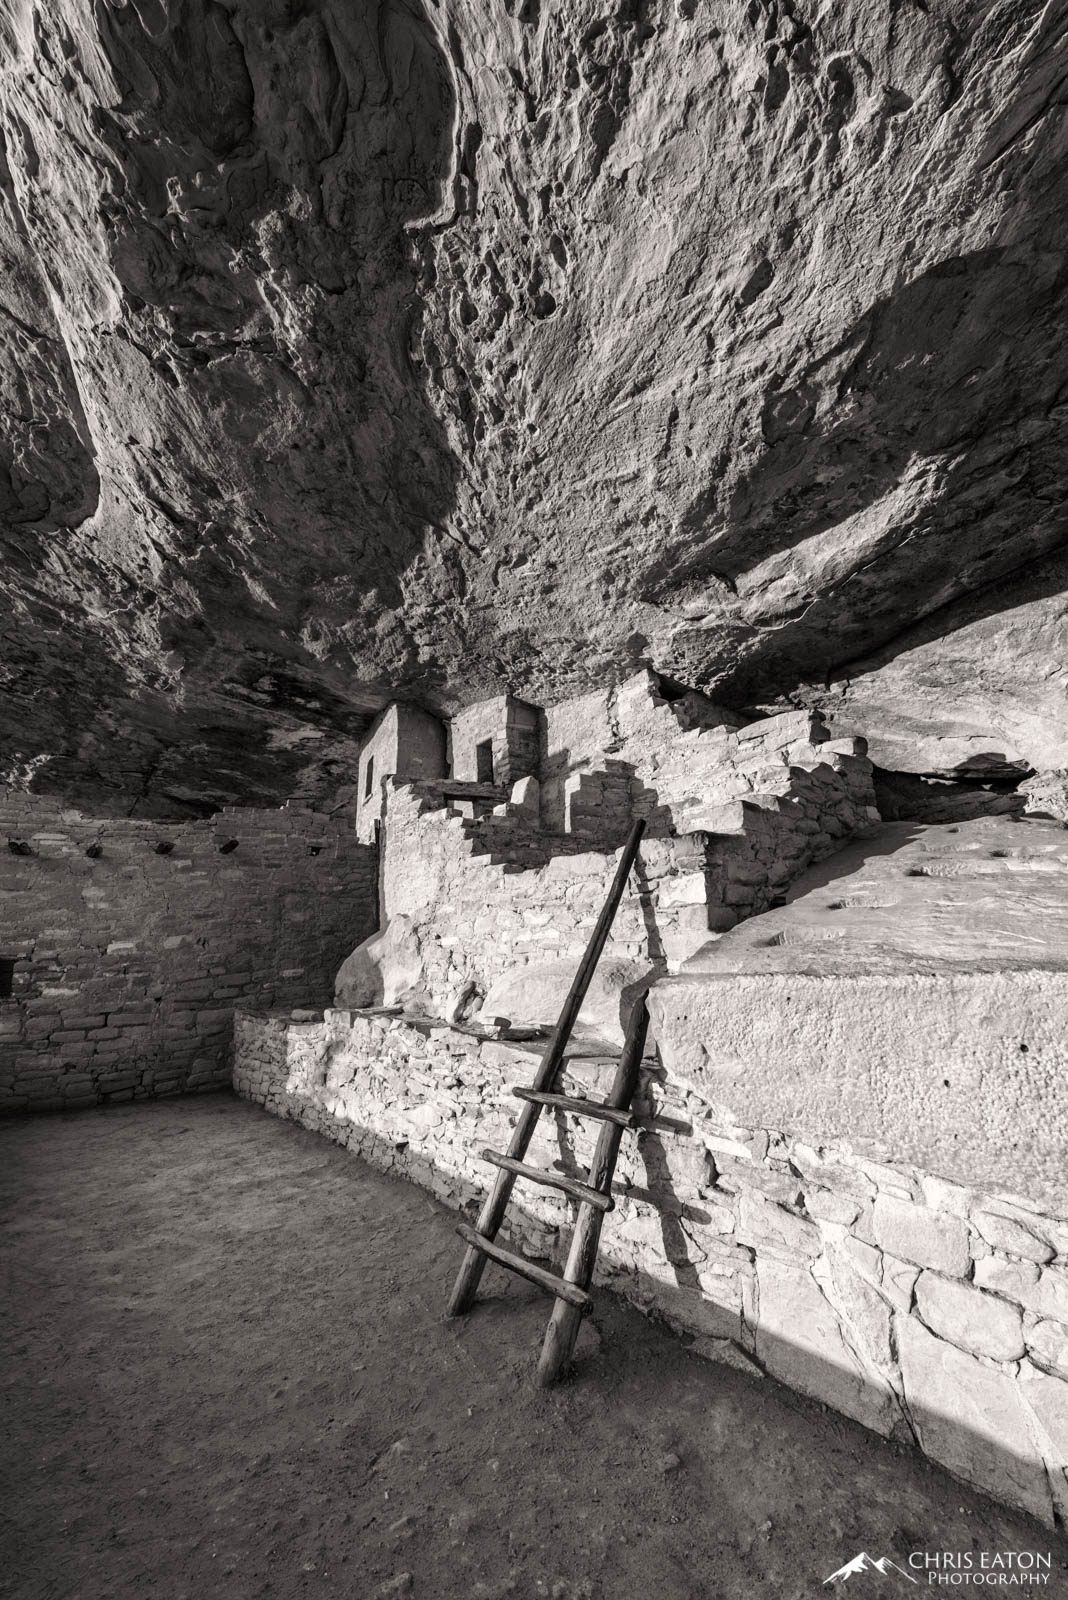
(226, 1372)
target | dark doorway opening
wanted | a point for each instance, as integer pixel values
(484, 761)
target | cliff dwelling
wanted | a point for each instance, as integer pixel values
(534, 790)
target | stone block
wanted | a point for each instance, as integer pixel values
(1046, 1397)
(697, 1312)
(941, 1195)
(684, 889)
(823, 1205)
(830, 1172)
(800, 1340)
(736, 1175)
(720, 1145)
(1017, 1279)
(864, 1257)
(927, 1238)
(893, 1181)
(762, 1223)
(899, 1282)
(1050, 1298)
(862, 1310)
(1011, 1238)
(971, 1418)
(970, 1318)
(1047, 1344)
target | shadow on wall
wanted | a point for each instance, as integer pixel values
(982, 1459)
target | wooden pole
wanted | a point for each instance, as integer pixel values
(467, 1281)
(564, 1324)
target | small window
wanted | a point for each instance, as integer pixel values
(484, 761)
(7, 977)
(368, 782)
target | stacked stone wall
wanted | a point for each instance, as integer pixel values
(510, 726)
(132, 941)
(491, 892)
(627, 727)
(927, 1310)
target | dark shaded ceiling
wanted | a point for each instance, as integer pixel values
(351, 348)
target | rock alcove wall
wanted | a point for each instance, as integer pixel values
(359, 347)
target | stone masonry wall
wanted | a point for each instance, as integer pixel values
(509, 725)
(133, 941)
(496, 891)
(492, 893)
(628, 726)
(403, 740)
(681, 781)
(927, 1310)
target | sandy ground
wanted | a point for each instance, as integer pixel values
(226, 1372)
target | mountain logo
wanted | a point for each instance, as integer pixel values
(866, 1563)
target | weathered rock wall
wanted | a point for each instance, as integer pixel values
(377, 345)
(132, 943)
(926, 1309)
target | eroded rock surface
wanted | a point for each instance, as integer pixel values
(377, 345)
(987, 894)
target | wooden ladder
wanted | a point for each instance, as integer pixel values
(594, 1196)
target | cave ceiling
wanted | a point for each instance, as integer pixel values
(361, 347)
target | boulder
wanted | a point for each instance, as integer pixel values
(1047, 795)
(531, 996)
(384, 970)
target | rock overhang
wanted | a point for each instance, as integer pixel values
(734, 349)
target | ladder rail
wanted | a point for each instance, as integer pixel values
(577, 1108)
(575, 1298)
(563, 1326)
(492, 1214)
(552, 1180)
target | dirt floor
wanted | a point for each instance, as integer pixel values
(226, 1372)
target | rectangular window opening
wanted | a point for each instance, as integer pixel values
(368, 782)
(7, 977)
(484, 761)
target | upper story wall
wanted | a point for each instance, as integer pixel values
(404, 741)
(133, 941)
(495, 741)
(631, 727)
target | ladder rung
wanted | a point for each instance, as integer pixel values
(526, 1269)
(553, 1180)
(578, 1108)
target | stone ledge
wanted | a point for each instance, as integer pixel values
(957, 1073)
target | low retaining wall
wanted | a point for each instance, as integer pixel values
(924, 1309)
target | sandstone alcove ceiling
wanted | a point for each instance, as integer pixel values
(359, 348)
